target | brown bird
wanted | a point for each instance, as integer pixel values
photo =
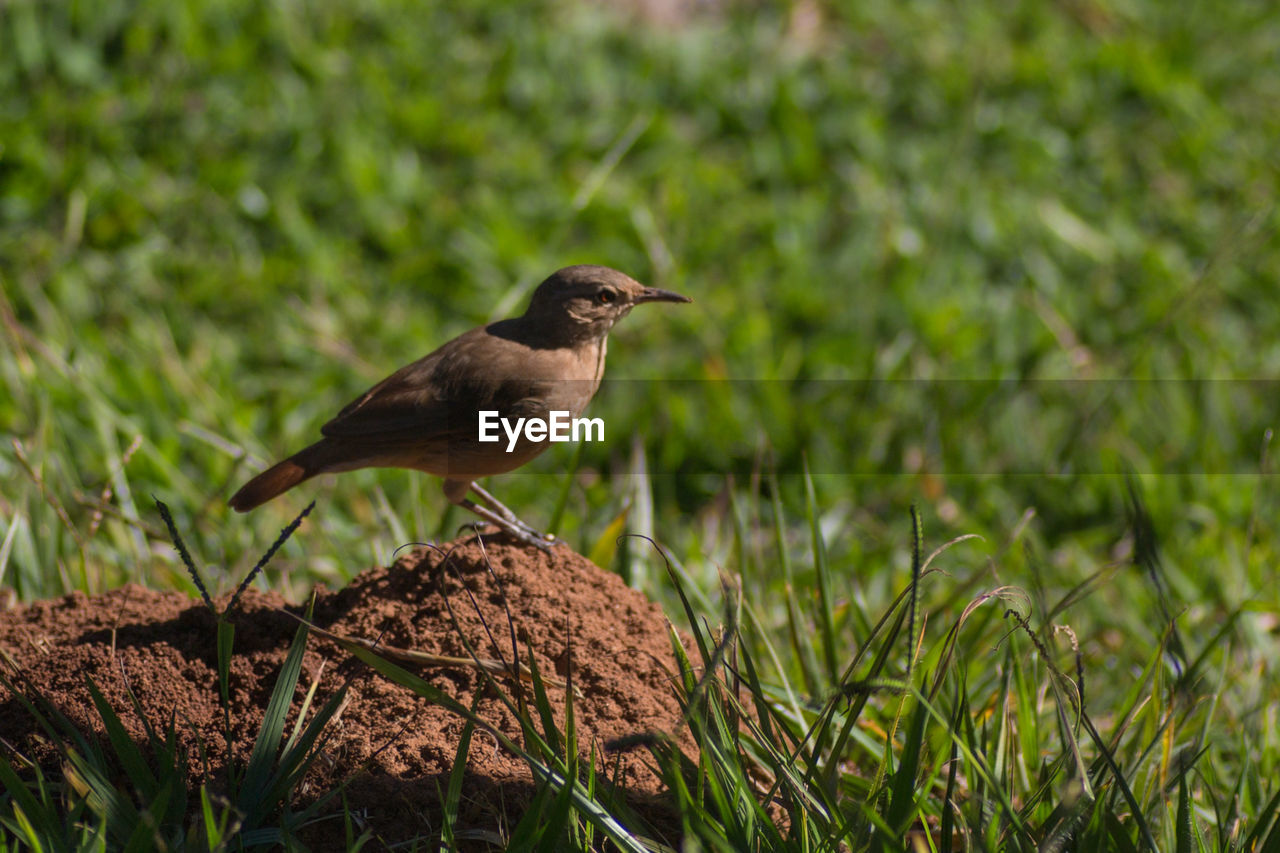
(426, 415)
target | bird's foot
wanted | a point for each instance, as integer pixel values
(514, 526)
(545, 541)
(529, 536)
(497, 513)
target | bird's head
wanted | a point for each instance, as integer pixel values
(586, 300)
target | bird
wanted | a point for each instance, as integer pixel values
(426, 415)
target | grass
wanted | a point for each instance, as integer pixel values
(919, 742)
(1000, 262)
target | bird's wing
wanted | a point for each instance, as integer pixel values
(402, 406)
(435, 397)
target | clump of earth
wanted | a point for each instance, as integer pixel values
(394, 749)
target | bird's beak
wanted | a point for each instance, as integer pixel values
(654, 294)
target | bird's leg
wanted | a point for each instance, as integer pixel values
(499, 515)
(501, 509)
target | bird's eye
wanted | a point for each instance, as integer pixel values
(606, 297)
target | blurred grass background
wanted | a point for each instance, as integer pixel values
(219, 222)
(1014, 263)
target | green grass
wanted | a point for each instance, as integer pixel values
(994, 260)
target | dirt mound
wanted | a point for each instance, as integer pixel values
(398, 749)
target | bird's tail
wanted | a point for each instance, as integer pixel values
(281, 477)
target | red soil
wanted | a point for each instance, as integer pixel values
(395, 747)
